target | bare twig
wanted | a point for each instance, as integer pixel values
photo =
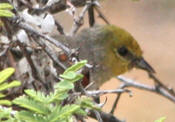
(59, 27)
(160, 84)
(58, 6)
(159, 90)
(117, 99)
(101, 15)
(131, 83)
(102, 92)
(106, 117)
(50, 53)
(33, 68)
(97, 114)
(26, 3)
(31, 30)
(53, 7)
(79, 21)
(91, 15)
(4, 51)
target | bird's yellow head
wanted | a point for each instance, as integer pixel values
(122, 51)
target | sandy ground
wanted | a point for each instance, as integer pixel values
(152, 23)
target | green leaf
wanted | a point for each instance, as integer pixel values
(6, 13)
(69, 75)
(72, 76)
(86, 102)
(62, 113)
(5, 10)
(14, 83)
(160, 119)
(68, 110)
(59, 96)
(55, 112)
(81, 112)
(5, 112)
(77, 78)
(5, 6)
(38, 96)
(2, 95)
(9, 85)
(6, 73)
(28, 116)
(5, 102)
(76, 66)
(64, 85)
(30, 104)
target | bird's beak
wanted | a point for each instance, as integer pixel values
(142, 64)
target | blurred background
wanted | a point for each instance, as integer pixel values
(152, 23)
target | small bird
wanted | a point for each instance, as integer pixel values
(111, 51)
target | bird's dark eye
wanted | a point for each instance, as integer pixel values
(123, 51)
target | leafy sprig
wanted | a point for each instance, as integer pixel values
(39, 107)
(5, 10)
(4, 75)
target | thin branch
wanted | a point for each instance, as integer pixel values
(114, 107)
(58, 6)
(30, 61)
(160, 84)
(101, 15)
(131, 83)
(50, 53)
(97, 114)
(2, 53)
(106, 117)
(79, 21)
(59, 27)
(55, 6)
(102, 92)
(26, 3)
(91, 15)
(159, 90)
(31, 30)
